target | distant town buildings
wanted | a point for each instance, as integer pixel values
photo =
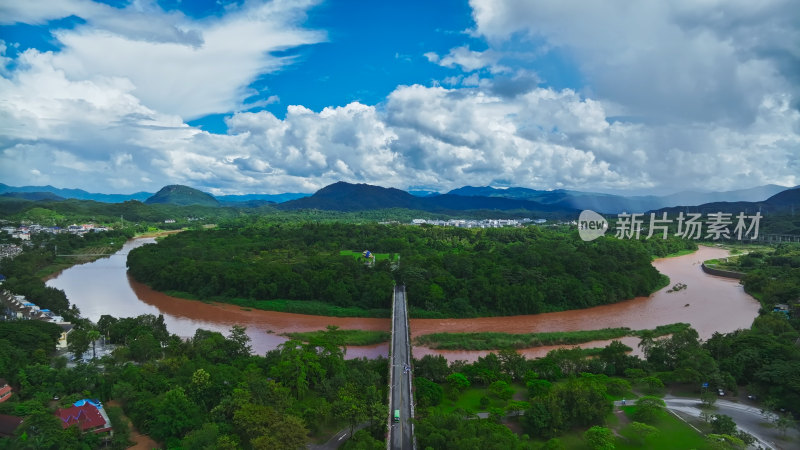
(484, 223)
(24, 232)
(9, 250)
(17, 307)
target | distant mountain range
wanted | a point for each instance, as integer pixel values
(77, 193)
(255, 199)
(422, 193)
(344, 196)
(80, 194)
(613, 204)
(34, 196)
(787, 201)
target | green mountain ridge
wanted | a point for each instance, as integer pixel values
(176, 194)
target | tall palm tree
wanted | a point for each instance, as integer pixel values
(93, 335)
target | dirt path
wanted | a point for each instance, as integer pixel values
(141, 441)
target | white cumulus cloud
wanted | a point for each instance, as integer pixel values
(678, 97)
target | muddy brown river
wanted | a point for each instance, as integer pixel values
(715, 304)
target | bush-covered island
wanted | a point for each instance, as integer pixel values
(447, 271)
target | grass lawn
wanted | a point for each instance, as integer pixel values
(672, 433)
(470, 399)
(629, 396)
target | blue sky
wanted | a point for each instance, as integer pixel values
(276, 96)
(365, 55)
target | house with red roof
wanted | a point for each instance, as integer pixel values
(8, 425)
(5, 390)
(88, 415)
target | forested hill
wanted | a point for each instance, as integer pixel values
(613, 204)
(448, 271)
(786, 202)
(34, 196)
(182, 195)
(343, 196)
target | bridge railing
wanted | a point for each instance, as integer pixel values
(410, 372)
(391, 378)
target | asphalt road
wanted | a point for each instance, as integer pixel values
(747, 417)
(337, 439)
(400, 434)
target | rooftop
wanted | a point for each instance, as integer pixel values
(8, 424)
(86, 416)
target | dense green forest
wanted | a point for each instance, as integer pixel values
(773, 277)
(210, 392)
(269, 263)
(447, 271)
(568, 392)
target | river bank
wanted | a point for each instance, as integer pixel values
(708, 303)
(92, 253)
(715, 304)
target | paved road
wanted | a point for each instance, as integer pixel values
(337, 439)
(400, 434)
(747, 417)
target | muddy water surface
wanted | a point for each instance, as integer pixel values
(103, 287)
(715, 304)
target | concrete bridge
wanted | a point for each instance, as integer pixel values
(401, 402)
(777, 238)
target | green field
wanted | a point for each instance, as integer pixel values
(497, 340)
(345, 337)
(672, 433)
(470, 400)
(378, 256)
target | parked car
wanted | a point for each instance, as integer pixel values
(721, 392)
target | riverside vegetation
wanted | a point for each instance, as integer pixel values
(448, 272)
(210, 392)
(567, 396)
(498, 340)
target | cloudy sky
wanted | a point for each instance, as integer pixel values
(641, 96)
